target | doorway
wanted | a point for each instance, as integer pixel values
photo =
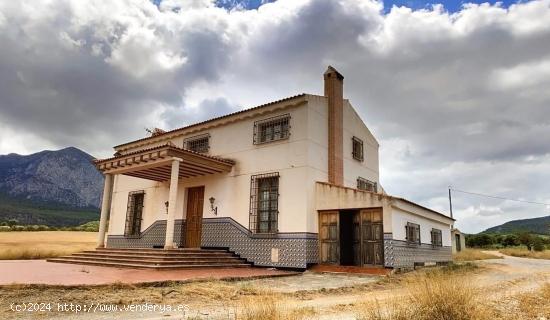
(193, 221)
(349, 238)
(352, 237)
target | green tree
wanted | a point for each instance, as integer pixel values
(526, 239)
(510, 240)
(479, 240)
(12, 223)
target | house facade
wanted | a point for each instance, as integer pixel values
(291, 183)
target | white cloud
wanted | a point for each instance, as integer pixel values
(523, 75)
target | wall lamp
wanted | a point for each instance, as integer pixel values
(166, 204)
(212, 208)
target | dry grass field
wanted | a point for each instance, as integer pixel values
(440, 295)
(457, 292)
(473, 254)
(524, 253)
(44, 244)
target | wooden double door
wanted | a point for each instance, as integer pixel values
(191, 237)
(362, 235)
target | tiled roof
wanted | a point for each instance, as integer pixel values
(214, 119)
(168, 146)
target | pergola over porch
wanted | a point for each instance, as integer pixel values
(162, 163)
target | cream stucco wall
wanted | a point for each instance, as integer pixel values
(318, 152)
(401, 214)
(232, 191)
(301, 161)
(353, 126)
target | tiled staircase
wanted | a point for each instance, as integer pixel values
(157, 259)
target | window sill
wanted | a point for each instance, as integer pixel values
(270, 141)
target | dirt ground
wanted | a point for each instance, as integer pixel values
(323, 296)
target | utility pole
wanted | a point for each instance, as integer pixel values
(450, 202)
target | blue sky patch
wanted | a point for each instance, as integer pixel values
(450, 5)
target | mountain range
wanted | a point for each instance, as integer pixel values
(56, 188)
(533, 225)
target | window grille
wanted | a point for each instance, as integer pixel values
(134, 213)
(412, 232)
(264, 203)
(357, 151)
(272, 129)
(367, 185)
(437, 239)
(200, 144)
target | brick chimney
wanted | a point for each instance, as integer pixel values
(334, 91)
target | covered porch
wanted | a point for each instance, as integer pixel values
(165, 163)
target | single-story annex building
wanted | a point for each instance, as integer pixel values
(290, 183)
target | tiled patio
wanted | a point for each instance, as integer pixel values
(42, 272)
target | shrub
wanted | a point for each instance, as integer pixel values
(12, 222)
(538, 244)
(479, 240)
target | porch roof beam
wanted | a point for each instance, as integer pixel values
(155, 163)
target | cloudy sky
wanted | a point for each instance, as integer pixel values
(457, 94)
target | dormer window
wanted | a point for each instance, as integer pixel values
(357, 149)
(366, 185)
(200, 144)
(272, 129)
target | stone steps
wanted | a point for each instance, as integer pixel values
(158, 259)
(155, 257)
(160, 254)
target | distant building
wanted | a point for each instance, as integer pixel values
(290, 183)
(458, 240)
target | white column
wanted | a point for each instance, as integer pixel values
(105, 209)
(172, 203)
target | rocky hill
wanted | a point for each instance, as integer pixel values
(61, 183)
(534, 225)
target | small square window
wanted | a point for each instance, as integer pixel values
(357, 151)
(272, 129)
(200, 144)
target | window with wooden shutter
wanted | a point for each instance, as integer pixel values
(437, 239)
(412, 233)
(134, 213)
(357, 149)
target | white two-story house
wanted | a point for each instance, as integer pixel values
(290, 183)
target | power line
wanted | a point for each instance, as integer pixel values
(497, 197)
